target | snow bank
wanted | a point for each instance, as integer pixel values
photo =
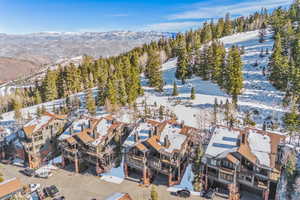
(115, 175)
(186, 182)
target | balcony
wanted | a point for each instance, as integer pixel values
(135, 162)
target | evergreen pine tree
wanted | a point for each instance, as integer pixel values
(193, 93)
(49, 89)
(17, 106)
(112, 95)
(154, 194)
(154, 72)
(227, 26)
(234, 76)
(37, 97)
(175, 92)
(90, 102)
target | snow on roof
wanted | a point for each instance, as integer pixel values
(260, 146)
(116, 196)
(103, 126)
(223, 139)
(76, 128)
(102, 129)
(39, 122)
(142, 130)
(176, 139)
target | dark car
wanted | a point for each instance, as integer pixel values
(28, 172)
(51, 191)
(208, 194)
(183, 193)
(6, 162)
(60, 198)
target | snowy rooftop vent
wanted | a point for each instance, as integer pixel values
(260, 146)
(172, 132)
(223, 139)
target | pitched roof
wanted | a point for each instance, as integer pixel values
(257, 146)
(41, 122)
(232, 159)
(71, 140)
(84, 137)
(154, 142)
(119, 196)
(10, 186)
(141, 147)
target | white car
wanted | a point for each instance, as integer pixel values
(45, 174)
(34, 187)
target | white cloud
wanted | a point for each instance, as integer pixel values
(173, 26)
(215, 9)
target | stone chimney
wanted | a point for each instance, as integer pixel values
(166, 141)
(71, 129)
(136, 137)
(90, 124)
(95, 133)
(155, 130)
(150, 133)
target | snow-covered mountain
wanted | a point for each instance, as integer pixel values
(48, 47)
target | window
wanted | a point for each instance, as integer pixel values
(226, 177)
(213, 162)
(227, 164)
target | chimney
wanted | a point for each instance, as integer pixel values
(182, 124)
(71, 129)
(243, 138)
(136, 137)
(166, 141)
(95, 134)
(155, 130)
(90, 124)
(150, 133)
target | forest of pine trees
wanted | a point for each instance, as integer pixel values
(118, 78)
(284, 65)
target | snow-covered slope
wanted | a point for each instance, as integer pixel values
(258, 93)
(48, 47)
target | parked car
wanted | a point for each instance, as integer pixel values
(183, 193)
(60, 198)
(51, 191)
(28, 172)
(34, 187)
(45, 174)
(6, 162)
(208, 194)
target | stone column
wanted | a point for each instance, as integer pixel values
(170, 182)
(76, 165)
(3, 154)
(63, 164)
(266, 194)
(126, 170)
(206, 179)
(146, 176)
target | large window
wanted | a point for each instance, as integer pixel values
(213, 162)
(226, 177)
(227, 164)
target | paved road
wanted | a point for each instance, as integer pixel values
(85, 187)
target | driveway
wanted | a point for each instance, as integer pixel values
(85, 187)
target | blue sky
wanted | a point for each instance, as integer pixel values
(26, 16)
